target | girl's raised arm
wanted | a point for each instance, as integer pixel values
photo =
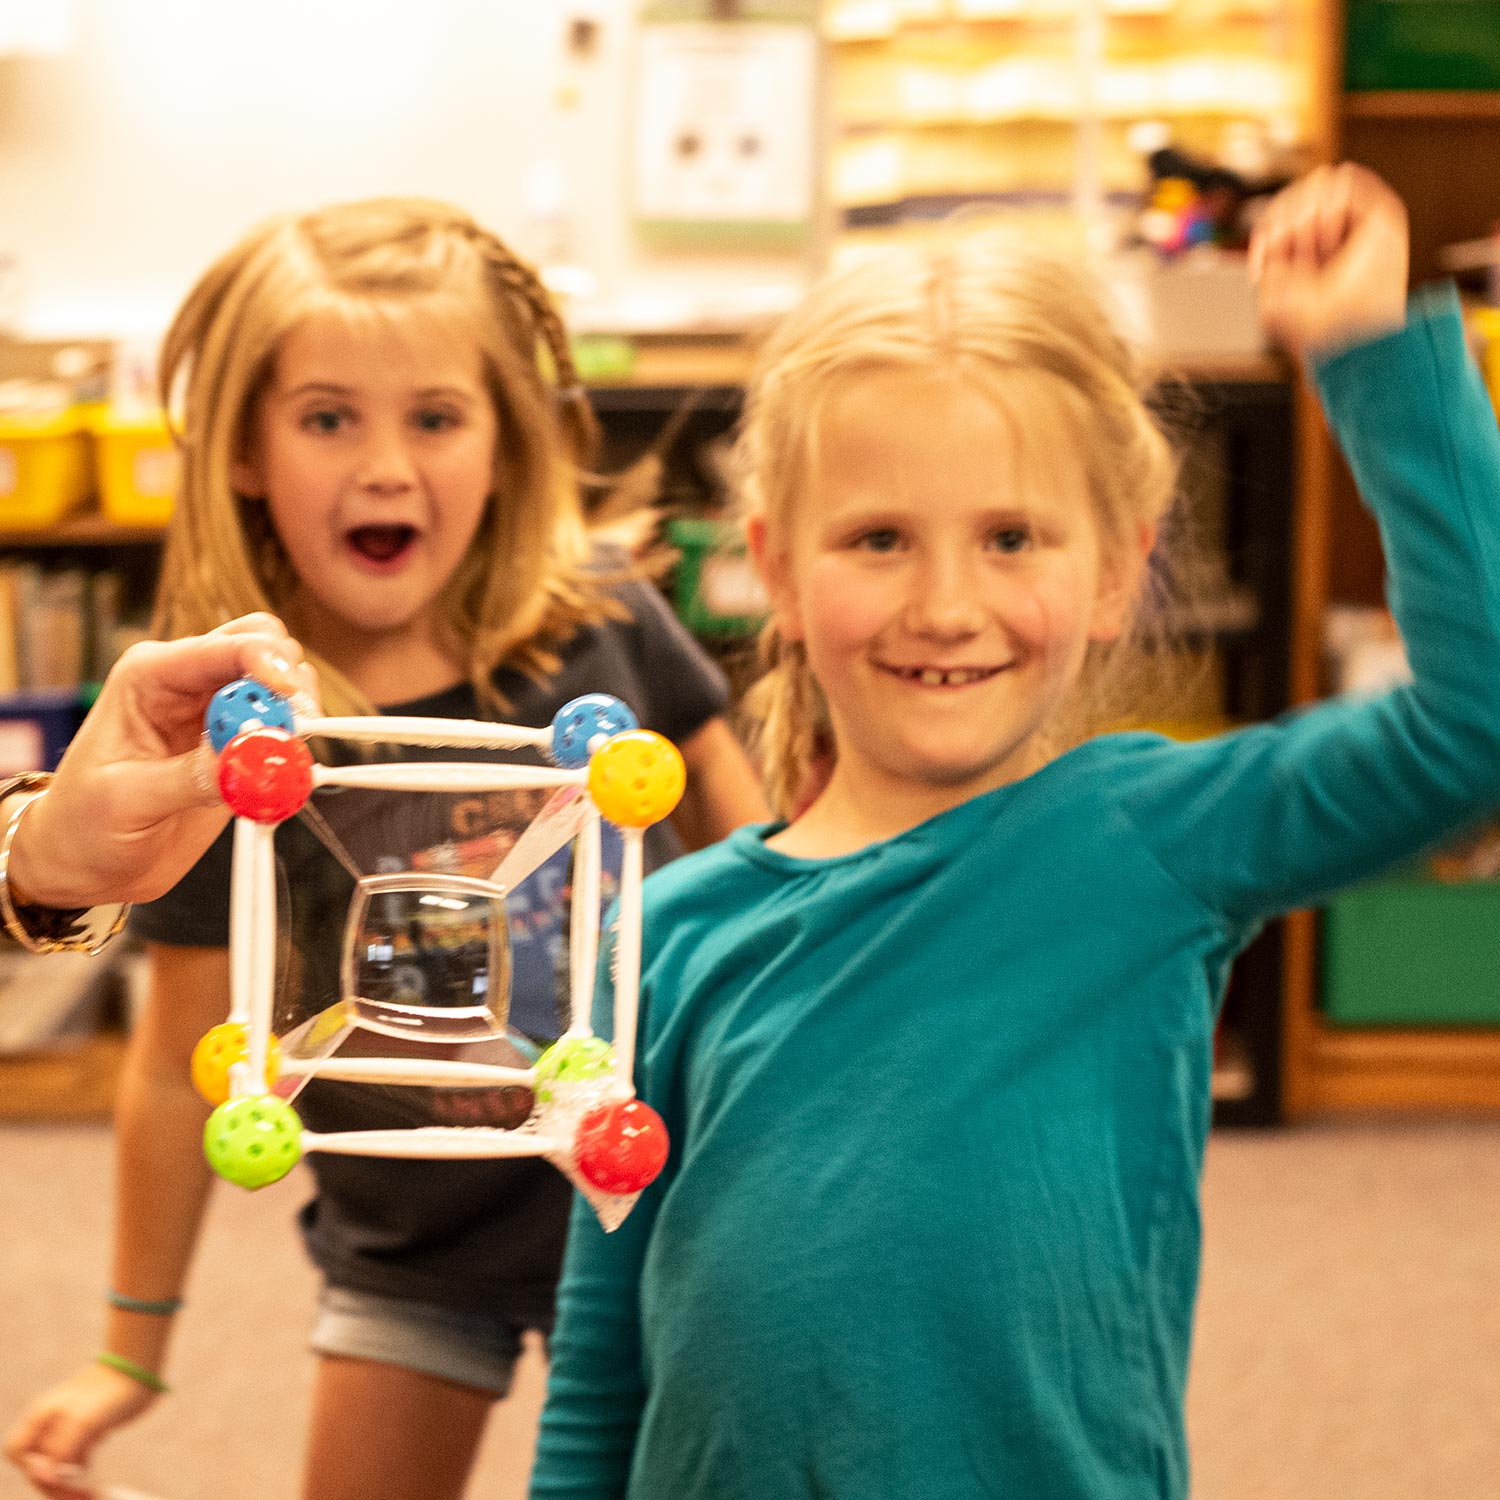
(1280, 815)
(1331, 258)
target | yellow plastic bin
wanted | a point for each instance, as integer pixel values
(44, 468)
(139, 467)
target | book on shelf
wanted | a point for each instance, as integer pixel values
(53, 629)
(61, 628)
(10, 662)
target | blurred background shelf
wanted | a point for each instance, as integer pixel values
(1033, 113)
(90, 528)
(1422, 104)
(1236, 421)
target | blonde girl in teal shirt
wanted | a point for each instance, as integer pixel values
(935, 1054)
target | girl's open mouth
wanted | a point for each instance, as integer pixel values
(382, 545)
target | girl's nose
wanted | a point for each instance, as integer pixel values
(945, 600)
(386, 466)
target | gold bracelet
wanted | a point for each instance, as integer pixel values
(49, 929)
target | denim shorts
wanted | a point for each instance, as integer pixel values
(473, 1349)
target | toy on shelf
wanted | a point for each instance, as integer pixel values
(425, 967)
(1193, 202)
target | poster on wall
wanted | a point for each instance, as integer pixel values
(725, 138)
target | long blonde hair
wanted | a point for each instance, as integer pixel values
(525, 585)
(990, 309)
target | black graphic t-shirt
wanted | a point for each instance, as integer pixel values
(467, 1235)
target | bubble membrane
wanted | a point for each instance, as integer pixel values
(427, 951)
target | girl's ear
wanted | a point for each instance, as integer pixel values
(1120, 584)
(774, 568)
(245, 476)
(246, 471)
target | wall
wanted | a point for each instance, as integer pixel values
(171, 126)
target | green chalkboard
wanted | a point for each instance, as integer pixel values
(1422, 44)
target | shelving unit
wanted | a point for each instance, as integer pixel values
(1241, 436)
(75, 1082)
(1430, 145)
(1250, 421)
(940, 103)
(87, 529)
(1417, 104)
(1240, 447)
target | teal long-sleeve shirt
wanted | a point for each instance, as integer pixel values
(930, 1225)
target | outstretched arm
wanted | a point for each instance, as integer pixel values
(596, 1388)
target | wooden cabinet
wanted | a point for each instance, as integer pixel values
(1436, 149)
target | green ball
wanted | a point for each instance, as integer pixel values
(572, 1060)
(253, 1141)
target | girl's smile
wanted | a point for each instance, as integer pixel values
(941, 677)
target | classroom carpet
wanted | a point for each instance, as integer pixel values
(1348, 1342)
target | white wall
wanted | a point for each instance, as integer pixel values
(171, 126)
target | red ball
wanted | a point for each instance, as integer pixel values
(621, 1147)
(265, 774)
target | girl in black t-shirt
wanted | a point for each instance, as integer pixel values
(381, 437)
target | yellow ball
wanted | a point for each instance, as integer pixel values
(218, 1050)
(636, 778)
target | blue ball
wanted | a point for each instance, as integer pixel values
(245, 704)
(579, 723)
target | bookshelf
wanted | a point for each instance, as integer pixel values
(1426, 142)
(71, 599)
(1241, 436)
(1413, 104)
(938, 104)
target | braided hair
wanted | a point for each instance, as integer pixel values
(519, 282)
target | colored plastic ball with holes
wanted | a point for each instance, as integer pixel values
(219, 1049)
(572, 1060)
(581, 726)
(622, 1146)
(241, 705)
(265, 774)
(253, 1141)
(637, 778)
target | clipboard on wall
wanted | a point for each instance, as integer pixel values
(725, 137)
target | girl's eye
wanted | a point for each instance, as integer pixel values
(883, 539)
(1012, 539)
(324, 419)
(436, 419)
